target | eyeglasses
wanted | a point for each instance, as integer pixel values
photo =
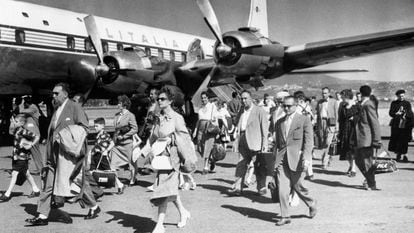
(161, 99)
(55, 93)
(287, 105)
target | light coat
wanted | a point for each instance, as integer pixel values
(298, 144)
(257, 128)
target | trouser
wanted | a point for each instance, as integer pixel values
(37, 157)
(246, 155)
(364, 159)
(95, 189)
(328, 133)
(287, 180)
(45, 198)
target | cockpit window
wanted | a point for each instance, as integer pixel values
(25, 14)
(45, 22)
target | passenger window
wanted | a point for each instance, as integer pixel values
(70, 42)
(119, 47)
(172, 56)
(25, 14)
(20, 36)
(148, 51)
(88, 45)
(160, 53)
(45, 23)
(105, 46)
(183, 57)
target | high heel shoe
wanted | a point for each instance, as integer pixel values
(185, 217)
(193, 186)
(121, 190)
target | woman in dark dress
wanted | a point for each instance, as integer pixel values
(401, 125)
(347, 135)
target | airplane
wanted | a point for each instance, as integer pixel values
(102, 57)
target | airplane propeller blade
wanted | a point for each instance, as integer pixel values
(210, 18)
(93, 33)
(269, 50)
(196, 100)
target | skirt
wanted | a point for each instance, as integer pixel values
(20, 166)
(165, 187)
(121, 155)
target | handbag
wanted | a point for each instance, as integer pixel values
(186, 152)
(383, 163)
(218, 152)
(212, 128)
(274, 191)
(105, 178)
(333, 147)
(161, 162)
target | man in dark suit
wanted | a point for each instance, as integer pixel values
(293, 148)
(63, 169)
(252, 130)
(234, 107)
(368, 137)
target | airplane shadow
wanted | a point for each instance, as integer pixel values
(253, 213)
(335, 184)
(252, 195)
(138, 223)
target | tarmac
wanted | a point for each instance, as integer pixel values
(343, 206)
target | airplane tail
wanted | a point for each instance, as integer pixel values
(258, 16)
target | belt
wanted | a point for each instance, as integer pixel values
(243, 131)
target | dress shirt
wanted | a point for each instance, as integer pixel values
(288, 122)
(59, 111)
(324, 109)
(245, 117)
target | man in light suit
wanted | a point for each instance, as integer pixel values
(252, 128)
(293, 148)
(368, 137)
(327, 123)
(63, 169)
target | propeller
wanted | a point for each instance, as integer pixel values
(90, 24)
(196, 100)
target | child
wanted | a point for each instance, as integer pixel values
(23, 142)
(100, 152)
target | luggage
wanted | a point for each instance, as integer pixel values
(218, 152)
(383, 163)
(274, 191)
(105, 178)
(269, 159)
(333, 147)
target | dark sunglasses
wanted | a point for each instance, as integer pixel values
(161, 99)
(55, 93)
(287, 105)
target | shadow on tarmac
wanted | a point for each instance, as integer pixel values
(138, 223)
(335, 184)
(226, 165)
(328, 172)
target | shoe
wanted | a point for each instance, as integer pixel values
(262, 192)
(93, 213)
(184, 220)
(5, 198)
(151, 188)
(159, 230)
(212, 166)
(398, 157)
(365, 186)
(205, 171)
(283, 221)
(37, 221)
(121, 190)
(193, 186)
(34, 194)
(374, 188)
(309, 177)
(234, 192)
(313, 210)
(405, 159)
(146, 171)
(97, 196)
(352, 174)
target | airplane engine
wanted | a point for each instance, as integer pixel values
(236, 56)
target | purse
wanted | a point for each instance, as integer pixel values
(384, 164)
(105, 178)
(333, 147)
(212, 128)
(218, 152)
(161, 162)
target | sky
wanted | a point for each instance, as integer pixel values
(291, 22)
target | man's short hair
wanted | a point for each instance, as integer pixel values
(234, 94)
(81, 98)
(347, 94)
(326, 88)
(290, 97)
(299, 95)
(99, 120)
(65, 87)
(365, 90)
(399, 92)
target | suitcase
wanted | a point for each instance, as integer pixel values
(384, 164)
(104, 178)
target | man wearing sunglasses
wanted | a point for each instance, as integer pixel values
(293, 149)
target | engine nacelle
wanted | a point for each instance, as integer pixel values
(241, 64)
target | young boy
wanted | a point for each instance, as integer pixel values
(100, 152)
(24, 139)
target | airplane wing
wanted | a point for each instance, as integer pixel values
(329, 51)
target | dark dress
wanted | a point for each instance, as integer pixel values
(401, 126)
(347, 133)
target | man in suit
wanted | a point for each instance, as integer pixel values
(253, 128)
(63, 170)
(368, 137)
(293, 148)
(234, 106)
(327, 123)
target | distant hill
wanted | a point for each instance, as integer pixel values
(312, 84)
